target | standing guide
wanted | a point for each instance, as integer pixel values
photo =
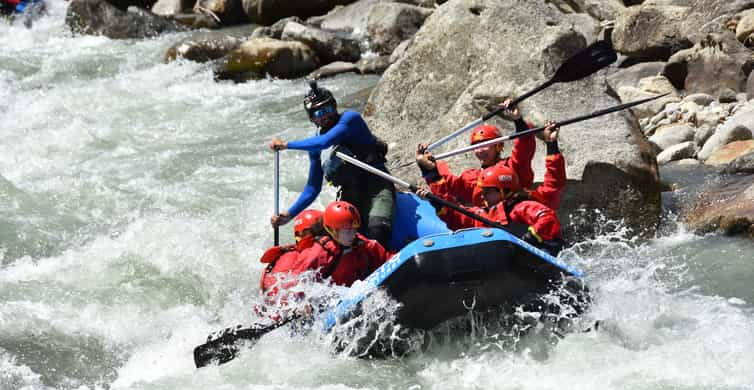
(344, 132)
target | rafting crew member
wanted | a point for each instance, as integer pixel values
(348, 133)
(463, 188)
(508, 203)
(343, 254)
(281, 270)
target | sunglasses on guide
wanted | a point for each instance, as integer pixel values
(323, 111)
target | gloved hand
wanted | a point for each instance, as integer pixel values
(531, 238)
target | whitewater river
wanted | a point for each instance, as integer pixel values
(134, 200)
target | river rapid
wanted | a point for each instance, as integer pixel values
(134, 206)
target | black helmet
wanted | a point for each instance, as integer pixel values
(317, 98)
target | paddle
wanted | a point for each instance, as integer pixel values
(276, 185)
(221, 346)
(413, 189)
(595, 114)
(586, 62)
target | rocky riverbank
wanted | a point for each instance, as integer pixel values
(446, 63)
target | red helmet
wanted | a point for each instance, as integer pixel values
(305, 220)
(341, 215)
(484, 133)
(501, 177)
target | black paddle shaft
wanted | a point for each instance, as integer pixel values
(221, 346)
(595, 57)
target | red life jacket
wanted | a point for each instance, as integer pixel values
(343, 265)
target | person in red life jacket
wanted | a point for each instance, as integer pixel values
(463, 188)
(508, 203)
(343, 254)
(281, 271)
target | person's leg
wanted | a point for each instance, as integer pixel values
(381, 211)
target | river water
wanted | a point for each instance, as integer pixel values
(134, 200)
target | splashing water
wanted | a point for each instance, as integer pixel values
(134, 204)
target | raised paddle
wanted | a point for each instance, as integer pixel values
(498, 140)
(221, 346)
(584, 63)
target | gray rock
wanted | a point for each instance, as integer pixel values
(742, 164)
(745, 26)
(723, 136)
(629, 77)
(671, 135)
(399, 51)
(650, 32)
(98, 17)
(598, 9)
(702, 134)
(714, 64)
(171, 7)
(389, 24)
(610, 164)
(258, 57)
(203, 47)
(328, 46)
(267, 12)
(701, 99)
(230, 12)
(352, 17)
(650, 109)
(727, 95)
(332, 69)
(276, 30)
(373, 65)
(124, 4)
(681, 151)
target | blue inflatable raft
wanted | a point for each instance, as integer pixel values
(442, 274)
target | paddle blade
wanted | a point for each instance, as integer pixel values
(221, 346)
(597, 56)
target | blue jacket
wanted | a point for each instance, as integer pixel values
(350, 128)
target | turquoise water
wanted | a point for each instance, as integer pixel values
(134, 200)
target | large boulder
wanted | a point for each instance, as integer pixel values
(671, 135)
(730, 152)
(737, 127)
(98, 17)
(656, 30)
(352, 17)
(229, 12)
(745, 26)
(440, 84)
(258, 57)
(329, 46)
(650, 32)
(389, 24)
(267, 12)
(171, 7)
(203, 47)
(742, 164)
(599, 9)
(713, 65)
(726, 206)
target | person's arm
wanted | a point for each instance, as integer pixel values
(378, 255)
(551, 189)
(522, 155)
(542, 220)
(321, 142)
(452, 186)
(312, 188)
